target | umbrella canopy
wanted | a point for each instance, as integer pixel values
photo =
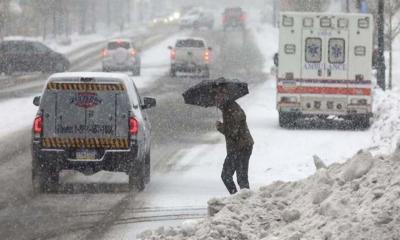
(204, 93)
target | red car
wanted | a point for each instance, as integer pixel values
(234, 18)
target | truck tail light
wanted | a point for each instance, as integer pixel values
(133, 52)
(173, 54)
(133, 126)
(38, 125)
(104, 53)
(359, 77)
(206, 56)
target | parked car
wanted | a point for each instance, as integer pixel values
(234, 18)
(121, 55)
(197, 19)
(191, 55)
(30, 56)
(90, 122)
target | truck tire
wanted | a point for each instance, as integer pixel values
(148, 167)
(206, 72)
(44, 178)
(136, 71)
(287, 120)
(137, 179)
(172, 73)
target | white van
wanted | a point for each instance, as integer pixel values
(325, 66)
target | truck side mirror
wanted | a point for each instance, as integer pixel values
(36, 101)
(149, 103)
(276, 59)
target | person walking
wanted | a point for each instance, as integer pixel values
(239, 143)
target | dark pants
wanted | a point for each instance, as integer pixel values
(236, 162)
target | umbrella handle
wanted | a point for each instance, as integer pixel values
(219, 116)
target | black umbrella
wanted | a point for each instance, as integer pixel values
(203, 94)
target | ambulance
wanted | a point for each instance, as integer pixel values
(325, 67)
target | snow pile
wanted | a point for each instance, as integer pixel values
(359, 199)
(386, 128)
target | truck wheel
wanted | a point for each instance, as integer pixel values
(44, 179)
(206, 72)
(148, 167)
(287, 120)
(172, 73)
(137, 178)
(37, 177)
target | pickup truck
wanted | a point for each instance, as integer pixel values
(190, 55)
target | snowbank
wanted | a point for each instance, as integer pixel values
(386, 128)
(359, 199)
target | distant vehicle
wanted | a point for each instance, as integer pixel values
(325, 67)
(190, 55)
(234, 18)
(90, 122)
(30, 56)
(121, 55)
(197, 19)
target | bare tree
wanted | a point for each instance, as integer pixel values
(393, 30)
(4, 15)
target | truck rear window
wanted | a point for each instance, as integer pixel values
(233, 11)
(190, 43)
(115, 45)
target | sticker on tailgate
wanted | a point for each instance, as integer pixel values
(86, 99)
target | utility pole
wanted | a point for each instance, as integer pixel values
(274, 13)
(381, 68)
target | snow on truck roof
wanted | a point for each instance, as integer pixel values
(120, 40)
(98, 76)
(191, 38)
(316, 14)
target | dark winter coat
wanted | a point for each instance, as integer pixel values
(235, 129)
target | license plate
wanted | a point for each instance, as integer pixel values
(86, 154)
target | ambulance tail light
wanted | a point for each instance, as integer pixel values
(288, 99)
(38, 126)
(359, 77)
(133, 126)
